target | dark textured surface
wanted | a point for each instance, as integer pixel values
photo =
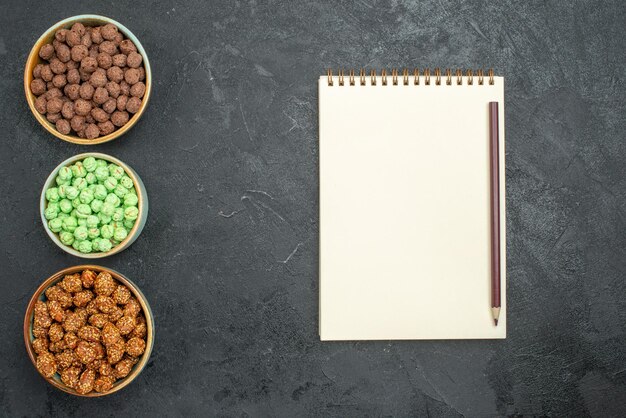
(228, 258)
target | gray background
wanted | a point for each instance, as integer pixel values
(228, 258)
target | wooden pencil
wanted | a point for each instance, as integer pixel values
(495, 209)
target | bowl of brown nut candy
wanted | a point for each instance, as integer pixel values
(88, 330)
(87, 79)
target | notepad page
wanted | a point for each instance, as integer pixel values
(405, 211)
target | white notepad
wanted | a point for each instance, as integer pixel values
(405, 209)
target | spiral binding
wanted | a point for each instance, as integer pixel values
(447, 76)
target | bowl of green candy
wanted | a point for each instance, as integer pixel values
(93, 205)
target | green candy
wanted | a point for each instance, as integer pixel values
(91, 178)
(52, 194)
(70, 224)
(93, 233)
(120, 191)
(90, 164)
(59, 181)
(83, 210)
(78, 169)
(65, 173)
(102, 173)
(131, 200)
(65, 206)
(132, 191)
(118, 215)
(92, 221)
(107, 209)
(104, 219)
(71, 192)
(80, 233)
(75, 203)
(113, 199)
(66, 238)
(62, 215)
(126, 181)
(85, 247)
(116, 171)
(61, 191)
(54, 205)
(131, 213)
(55, 225)
(100, 192)
(107, 231)
(75, 244)
(105, 245)
(82, 222)
(86, 196)
(95, 244)
(117, 224)
(110, 183)
(120, 234)
(96, 205)
(80, 183)
(50, 213)
(101, 163)
(128, 224)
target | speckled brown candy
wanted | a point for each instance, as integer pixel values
(71, 340)
(40, 345)
(103, 383)
(46, 364)
(86, 382)
(110, 334)
(70, 376)
(82, 298)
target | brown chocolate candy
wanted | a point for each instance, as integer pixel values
(37, 86)
(106, 127)
(72, 91)
(79, 52)
(88, 64)
(63, 126)
(133, 105)
(134, 60)
(82, 107)
(92, 131)
(119, 118)
(46, 52)
(127, 46)
(119, 60)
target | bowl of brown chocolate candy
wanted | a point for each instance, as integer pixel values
(88, 330)
(87, 80)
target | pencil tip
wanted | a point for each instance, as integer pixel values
(496, 321)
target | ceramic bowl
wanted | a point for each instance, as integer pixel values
(39, 295)
(142, 206)
(33, 60)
